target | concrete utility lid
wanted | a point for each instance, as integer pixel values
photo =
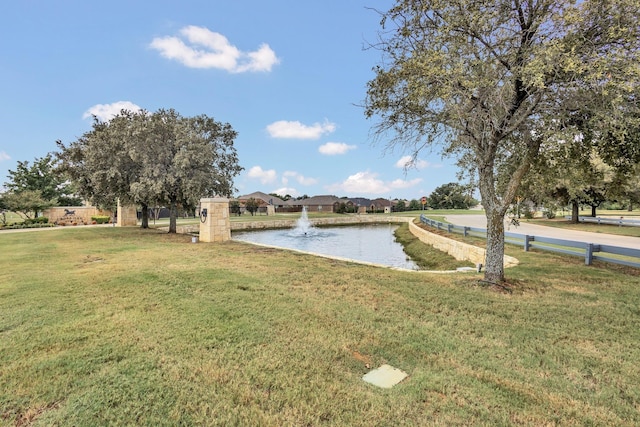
(386, 376)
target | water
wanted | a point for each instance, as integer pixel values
(303, 226)
(370, 243)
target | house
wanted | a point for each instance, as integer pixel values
(267, 199)
(267, 204)
(317, 203)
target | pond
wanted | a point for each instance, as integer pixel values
(374, 243)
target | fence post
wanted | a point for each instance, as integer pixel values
(526, 242)
(449, 228)
(588, 256)
(465, 230)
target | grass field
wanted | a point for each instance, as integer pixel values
(120, 326)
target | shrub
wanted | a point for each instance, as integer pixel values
(526, 211)
(38, 220)
(102, 219)
(550, 210)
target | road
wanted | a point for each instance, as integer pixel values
(480, 221)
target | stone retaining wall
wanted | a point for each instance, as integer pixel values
(290, 223)
(459, 250)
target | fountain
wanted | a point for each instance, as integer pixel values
(303, 225)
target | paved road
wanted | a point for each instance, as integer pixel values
(480, 221)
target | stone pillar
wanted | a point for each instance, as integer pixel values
(216, 227)
(271, 210)
(127, 216)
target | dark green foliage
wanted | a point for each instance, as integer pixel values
(344, 208)
(415, 205)
(252, 205)
(37, 186)
(38, 220)
(234, 207)
(452, 196)
(151, 159)
(101, 219)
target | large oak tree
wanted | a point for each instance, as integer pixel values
(154, 158)
(492, 81)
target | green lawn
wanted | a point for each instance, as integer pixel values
(120, 326)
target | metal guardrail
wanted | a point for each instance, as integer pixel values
(590, 251)
(621, 221)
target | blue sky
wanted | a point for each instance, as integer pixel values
(286, 74)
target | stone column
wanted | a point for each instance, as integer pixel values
(216, 227)
(127, 216)
(271, 210)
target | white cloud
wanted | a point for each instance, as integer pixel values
(301, 179)
(297, 130)
(265, 176)
(369, 183)
(287, 190)
(106, 112)
(333, 148)
(400, 184)
(4, 156)
(406, 162)
(208, 49)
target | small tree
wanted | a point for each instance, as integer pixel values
(234, 207)
(252, 205)
(415, 205)
(27, 202)
(41, 184)
(451, 196)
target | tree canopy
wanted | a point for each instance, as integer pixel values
(37, 186)
(451, 196)
(492, 81)
(153, 158)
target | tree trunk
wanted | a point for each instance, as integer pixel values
(630, 207)
(593, 211)
(575, 215)
(494, 268)
(145, 216)
(173, 215)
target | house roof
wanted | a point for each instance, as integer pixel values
(267, 198)
(315, 201)
(361, 201)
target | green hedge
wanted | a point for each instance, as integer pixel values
(101, 219)
(38, 220)
(17, 226)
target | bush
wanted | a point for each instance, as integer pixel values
(101, 219)
(550, 210)
(526, 211)
(20, 225)
(38, 220)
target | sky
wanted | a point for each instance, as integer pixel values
(288, 75)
